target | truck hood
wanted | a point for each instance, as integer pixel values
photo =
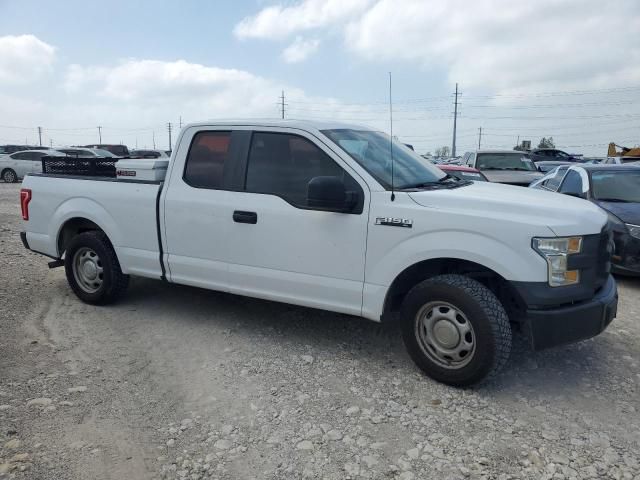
(563, 214)
(512, 177)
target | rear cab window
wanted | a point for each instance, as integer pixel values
(206, 159)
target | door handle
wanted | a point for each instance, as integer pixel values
(245, 217)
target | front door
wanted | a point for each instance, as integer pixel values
(280, 248)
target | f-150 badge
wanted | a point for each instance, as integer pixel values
(394, 222)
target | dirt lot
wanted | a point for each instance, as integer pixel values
(177, 382)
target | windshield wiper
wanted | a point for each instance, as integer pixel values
(445, 182)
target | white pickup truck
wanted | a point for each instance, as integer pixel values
(337, 217)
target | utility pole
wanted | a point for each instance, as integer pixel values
(50, 143)
(180, 122)
(40, 135)
(169, 130)
(455, 120)
(282, 104)
(479, 137)
(154, 139)
(100, 134)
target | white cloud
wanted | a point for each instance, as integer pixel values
(505, 45)
(300, 50)
(279, 21)
(24, 58)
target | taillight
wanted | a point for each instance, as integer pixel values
(25, 198)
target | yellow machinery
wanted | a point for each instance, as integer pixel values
(624, 151)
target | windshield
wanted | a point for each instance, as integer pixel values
(372, 151)
(504, 161)
(616, 186)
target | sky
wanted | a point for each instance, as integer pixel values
(569, 69)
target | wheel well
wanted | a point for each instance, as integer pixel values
(71, 228)
(421, 271)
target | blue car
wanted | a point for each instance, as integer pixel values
(615, 189)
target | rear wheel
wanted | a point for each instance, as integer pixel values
(9, 176)
(93, 270)
(456, 330)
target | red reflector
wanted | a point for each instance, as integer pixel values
(25, 198)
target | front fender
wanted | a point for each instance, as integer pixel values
(493, 253)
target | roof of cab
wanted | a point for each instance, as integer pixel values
(301, 124)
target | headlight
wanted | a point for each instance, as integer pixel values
(634, 230)
(556, 251)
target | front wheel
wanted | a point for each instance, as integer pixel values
(456, 330)
(93, 270)
(9, 176)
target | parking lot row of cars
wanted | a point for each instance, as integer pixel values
(16, 161)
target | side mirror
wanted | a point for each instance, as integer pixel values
(329, 193)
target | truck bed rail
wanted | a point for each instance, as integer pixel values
(79, 166)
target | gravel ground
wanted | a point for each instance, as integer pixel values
(178, 382)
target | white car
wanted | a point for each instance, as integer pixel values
(86, 152)
(15, 166)
(321, 215)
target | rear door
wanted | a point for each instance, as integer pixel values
(280, 248)
(197, 209)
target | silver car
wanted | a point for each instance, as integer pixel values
(15, 166)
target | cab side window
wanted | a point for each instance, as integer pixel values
(572, 184)
(206, 159)
(283, 164)
(554, 182)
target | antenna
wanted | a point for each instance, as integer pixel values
(393, 195)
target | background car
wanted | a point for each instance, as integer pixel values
(16, 165)
(512, 167)
(86, 152)
(146, 153)
(463, 173)
(117, 150)
(548, 165)
(4, 149)
(542, 154)
(615, 189)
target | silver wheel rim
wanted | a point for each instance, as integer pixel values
(445, 335)
(9, 177)
(87, 270)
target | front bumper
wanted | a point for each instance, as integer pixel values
(550, 327)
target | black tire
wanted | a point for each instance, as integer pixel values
(110, 284)
(9, 176)
(490, 330)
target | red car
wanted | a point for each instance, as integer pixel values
(463, 173)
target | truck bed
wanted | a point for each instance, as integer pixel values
(105, 201)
